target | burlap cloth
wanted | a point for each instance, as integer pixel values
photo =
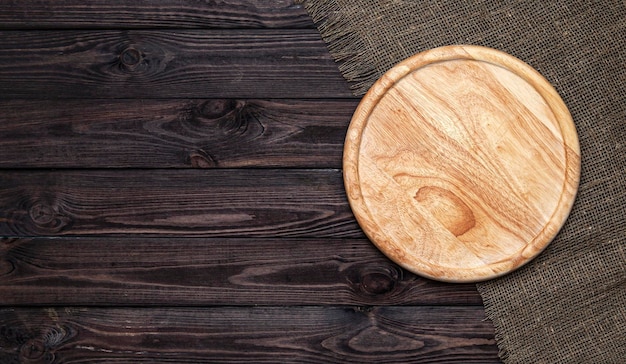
(569, 304)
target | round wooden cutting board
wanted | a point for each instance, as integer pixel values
(461, 163)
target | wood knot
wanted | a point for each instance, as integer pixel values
(41, 214)
(447, 208)
(46, 219)
(202, 159)
(231, 117)
(34, 351)
(146, 59)
(130, 57)
(41, 349)
(379, 281)
(6, 266)
(215, 109)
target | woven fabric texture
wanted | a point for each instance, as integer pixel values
(569, 304)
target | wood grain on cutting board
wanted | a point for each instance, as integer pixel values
(461, 163)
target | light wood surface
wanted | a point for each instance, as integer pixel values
(461, 163)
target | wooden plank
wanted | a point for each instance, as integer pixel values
(171, 272)
(168, 64)
(260, 335)
(216, 133)
(138, 14)
(188, 202)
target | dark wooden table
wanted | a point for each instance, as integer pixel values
(171, 191)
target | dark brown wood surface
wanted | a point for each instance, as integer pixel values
(188, 202)
(174, 133)
(216, 271)
(246, 334)
(171, 191)
(168, 64)
(124, 14)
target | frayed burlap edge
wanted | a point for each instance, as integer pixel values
(345, 45)
(492, 315)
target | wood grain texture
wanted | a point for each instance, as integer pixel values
(286, 334)
(112, 14)
(113, 249)
(217, 202)
(462, 163)
(215, 133)
(192, 272)
(168, 64)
